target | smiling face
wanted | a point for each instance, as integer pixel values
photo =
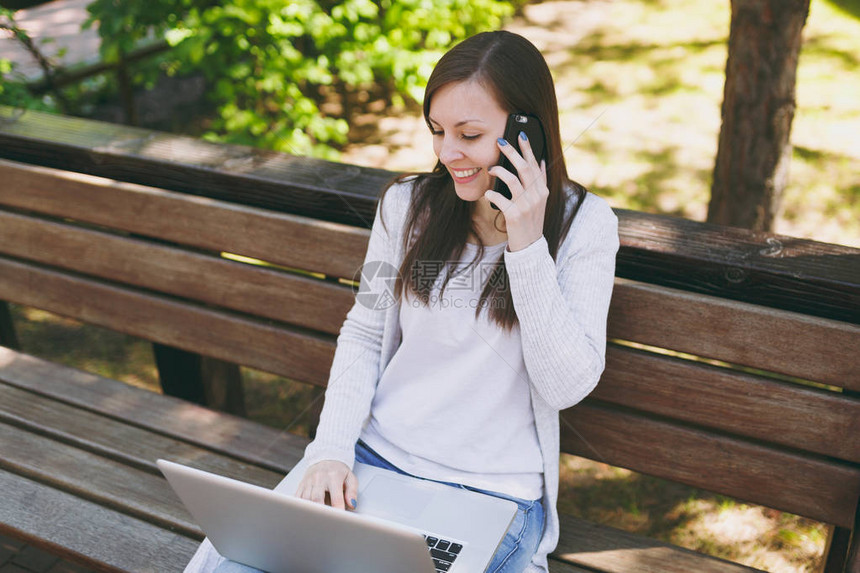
(466, 120)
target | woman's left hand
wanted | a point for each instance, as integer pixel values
(525, 210)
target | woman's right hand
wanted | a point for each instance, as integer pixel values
(332, 477)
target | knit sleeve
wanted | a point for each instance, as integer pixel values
(562, 306)
(356, 367)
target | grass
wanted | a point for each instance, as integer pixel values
(100, 351)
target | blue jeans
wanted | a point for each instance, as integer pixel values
(514, 553)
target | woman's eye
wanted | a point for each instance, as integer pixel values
(466, 136)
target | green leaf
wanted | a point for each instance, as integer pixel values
(176, 36)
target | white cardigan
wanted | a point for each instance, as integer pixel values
(561, 307)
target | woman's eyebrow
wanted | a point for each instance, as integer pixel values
(459, 123)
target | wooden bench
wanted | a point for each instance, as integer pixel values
(732, 368)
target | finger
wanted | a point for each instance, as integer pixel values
(304, 489)
(300, 491)
(317, 494)
(511, 153)
(350, 490)
(526, 149)
(540, 181)
(499, 200)
(535, 172)
(336, 495)
(512, 181)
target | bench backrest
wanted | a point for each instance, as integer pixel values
(733, 397)
(157, 264)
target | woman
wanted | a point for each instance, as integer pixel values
(499, 316)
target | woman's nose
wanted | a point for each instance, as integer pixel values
(449, 151)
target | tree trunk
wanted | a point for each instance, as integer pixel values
(751, 170)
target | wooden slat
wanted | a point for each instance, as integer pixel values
(795, 274)
(792, 415)
(118, 485)
(805, 485)
(556, 566)
(250, 176)
(265, 292)
(279, 238)
(233, 338)
(128, 444)
(740, 333)
(96, 537)
(609, 550)
(235, 437)
(111, 484)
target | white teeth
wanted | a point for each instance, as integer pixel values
(464, 174)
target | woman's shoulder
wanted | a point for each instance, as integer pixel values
(594, 210)
(398, 195)
(595, 221)
(598, 208)
(394, 203)
(403, 187)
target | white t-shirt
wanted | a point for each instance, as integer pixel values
(453, 404)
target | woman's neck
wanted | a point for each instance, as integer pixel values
(487, 222)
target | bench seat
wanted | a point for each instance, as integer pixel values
(78, 466)
(599, 548)
(79, 470)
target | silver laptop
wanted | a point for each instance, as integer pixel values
(402, 524)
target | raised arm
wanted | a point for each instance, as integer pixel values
(562, 305)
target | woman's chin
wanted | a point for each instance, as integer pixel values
(471, 191)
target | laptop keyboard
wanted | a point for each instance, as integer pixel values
(442, 551)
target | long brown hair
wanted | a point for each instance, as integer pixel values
(439, 222)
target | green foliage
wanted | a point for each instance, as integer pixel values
(13, 89)
(850, 7)
(12, 92)
(276, 68)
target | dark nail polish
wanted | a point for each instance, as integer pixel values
(523, 136)
(502, 142)
(353, 502)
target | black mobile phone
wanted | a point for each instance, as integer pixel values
(531, 126)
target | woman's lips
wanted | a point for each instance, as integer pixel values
(464, 175)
